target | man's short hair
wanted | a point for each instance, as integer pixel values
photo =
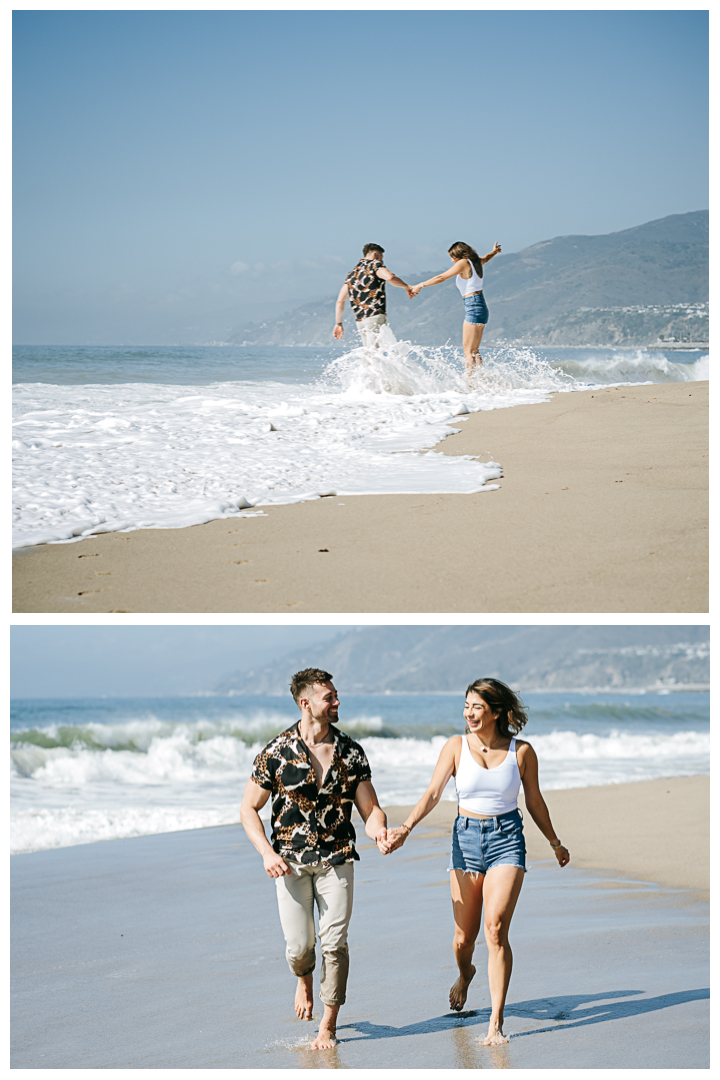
(373, 247)
(303, 681)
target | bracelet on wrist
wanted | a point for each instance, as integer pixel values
(556, 846)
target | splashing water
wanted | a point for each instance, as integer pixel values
(401, 368)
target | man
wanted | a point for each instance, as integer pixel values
(365, 287)
(315, 774)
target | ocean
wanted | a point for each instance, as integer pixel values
(112, 438)
(84, 770)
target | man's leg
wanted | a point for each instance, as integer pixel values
(297, 917)
(370, 330)
(334, 895)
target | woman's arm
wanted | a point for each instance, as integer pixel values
(536, 805)
(444, 769)
(452, 272)
(495, 251)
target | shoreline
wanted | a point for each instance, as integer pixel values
(602, 507)
(592, 822)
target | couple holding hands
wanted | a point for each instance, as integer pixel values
(365, 288)
(315, 774)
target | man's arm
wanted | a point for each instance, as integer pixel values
(339, 306)
(254, 799)
(372, 814)
(393, 279)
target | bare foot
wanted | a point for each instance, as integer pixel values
(304, 998)
(459, 990)
(325, 1039)
(495, 1037)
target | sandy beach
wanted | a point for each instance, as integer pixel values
(621, 828)
(166, 951)
(602, 507)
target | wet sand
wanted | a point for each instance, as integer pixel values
(166, 952)
(602, 508)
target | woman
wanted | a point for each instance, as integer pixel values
(487, 864)
(468, 268)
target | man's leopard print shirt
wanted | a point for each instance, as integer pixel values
(366, 289)
(311, 826)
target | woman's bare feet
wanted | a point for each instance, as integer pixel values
(495, 1036)
(304, 997)
(459, 990)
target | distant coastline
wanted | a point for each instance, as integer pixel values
(606, 291)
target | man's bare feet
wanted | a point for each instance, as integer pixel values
(495, 1037)
(304, 998)
(459, 990)
(326, 1035)
(325, 1039)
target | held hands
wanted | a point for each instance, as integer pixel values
(414, 290)
(394, 839)
(275, 866)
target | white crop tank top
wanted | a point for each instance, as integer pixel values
(473, 284)
(487, 791)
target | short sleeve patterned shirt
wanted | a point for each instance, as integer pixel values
(311, 825)
(366, 289)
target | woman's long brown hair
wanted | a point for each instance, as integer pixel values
(502, 699)
(460, 250)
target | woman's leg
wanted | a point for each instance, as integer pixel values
(500, 894)
(472, 336)
(467, 896)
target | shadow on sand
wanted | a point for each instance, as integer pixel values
(569, 1011)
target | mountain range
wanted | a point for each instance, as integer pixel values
(407, 659)
(642, 286)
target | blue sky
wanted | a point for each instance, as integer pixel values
(178, 169)
(139, 661)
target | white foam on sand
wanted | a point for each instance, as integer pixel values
(101, 458)
(106, 457)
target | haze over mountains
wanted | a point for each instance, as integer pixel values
(642, 286)
(427, 659)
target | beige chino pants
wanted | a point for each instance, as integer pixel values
(331, 889)
(370, 330)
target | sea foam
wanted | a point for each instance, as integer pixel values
(98, 458)
(146, 775)
(109, 456)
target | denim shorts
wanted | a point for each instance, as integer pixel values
(476, 310)
(478, 844)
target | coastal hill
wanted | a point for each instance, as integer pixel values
(428, 659)
(643, 286)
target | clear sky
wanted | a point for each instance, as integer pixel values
(176, 170)
(140, 661)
